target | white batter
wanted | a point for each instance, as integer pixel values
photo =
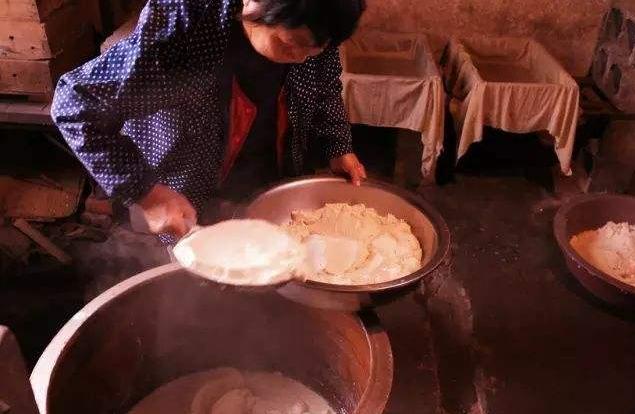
(241, 252)
(610, 248)
(229, 391)
(354, 245)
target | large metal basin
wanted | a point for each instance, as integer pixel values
(428, 226)
(590, 212)
(166, 323)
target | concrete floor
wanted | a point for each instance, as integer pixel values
(532, 339)
(500, 328)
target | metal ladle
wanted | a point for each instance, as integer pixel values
(248, 241)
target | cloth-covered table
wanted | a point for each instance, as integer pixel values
(512, 84)
(392, 80)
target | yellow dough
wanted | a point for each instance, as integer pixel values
(354, 245)
(241, 252)
(610, 249)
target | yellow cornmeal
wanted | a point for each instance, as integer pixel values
(610, 249)
(354, 245)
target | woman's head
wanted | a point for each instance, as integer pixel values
(290, 31)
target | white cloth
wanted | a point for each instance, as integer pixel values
(512, 84)
(392, 80)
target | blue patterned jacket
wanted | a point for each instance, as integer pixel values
(148, 110)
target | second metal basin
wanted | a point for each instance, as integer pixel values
(428, 226)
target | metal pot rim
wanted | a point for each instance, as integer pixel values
(48, 363)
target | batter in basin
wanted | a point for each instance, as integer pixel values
(354, 245)
(230, 391)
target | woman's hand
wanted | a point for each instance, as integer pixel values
(167, 211)
(349, 164)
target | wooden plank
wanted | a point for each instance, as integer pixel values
(25, 113)
(4, 112)
(42, 241)
(46, 190)
(33, 10)
(26, 77)
(24, 39)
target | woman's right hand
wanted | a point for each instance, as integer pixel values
(167, 211)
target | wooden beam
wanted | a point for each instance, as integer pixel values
(25, 113)
(26, 77)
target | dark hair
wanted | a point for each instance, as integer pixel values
(330, 21)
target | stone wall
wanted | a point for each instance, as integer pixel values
(614, 165)
(568, 28)
(614, 64)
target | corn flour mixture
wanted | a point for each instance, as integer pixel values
(354, 245)
(611, 249)
(241, 252)
(230, 391)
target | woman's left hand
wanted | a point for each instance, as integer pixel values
(349, 164)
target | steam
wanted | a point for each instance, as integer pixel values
(123, 255)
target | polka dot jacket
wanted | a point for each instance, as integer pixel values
(148, 110)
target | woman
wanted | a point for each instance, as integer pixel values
(206, 96)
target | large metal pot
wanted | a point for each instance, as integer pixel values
(166, 323)
(428, 226)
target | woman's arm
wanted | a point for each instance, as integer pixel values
(132, 80)
(331, 121)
